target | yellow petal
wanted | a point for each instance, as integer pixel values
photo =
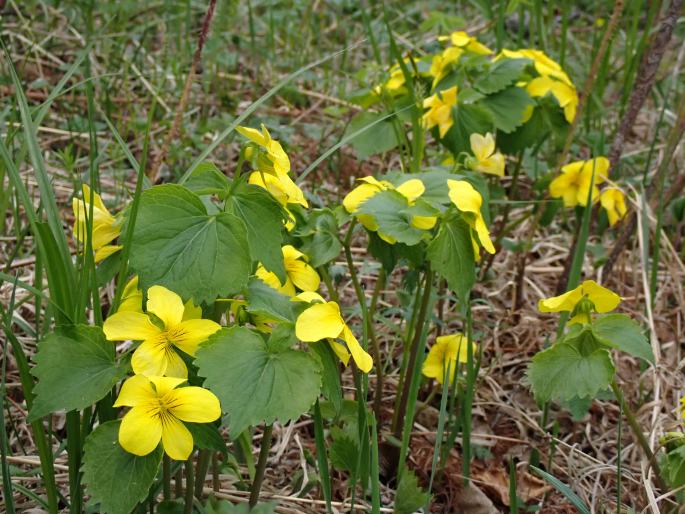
(411, 189)
(175, 366)
(150, 358)
(564, 302)
(166, 305)
(271, 184)
(361, 358)
(423, 222)
(140, 431)
(484, 234)
(163, 385)
(135, 326)
(193, 404)
(358, 196)
(290, 253)
(253, 135)
(339, 350)
(270, 279)
(604, 299)
(132, 297)
(135, 391)
(191, 311)
(190, 333)
(564, 186)
(540, 86)
(464, 196)
(320, 321)
(309, 297)
(460, 38)
(105, 251)
(303, 275)
(176, 438)
(482, 146)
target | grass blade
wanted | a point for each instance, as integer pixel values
(563, 489)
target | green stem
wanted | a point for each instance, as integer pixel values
(418, 330)
(639, 435)
(166, 477)
(261, 465)
(203, 459)
(74, 460)
(188, 505)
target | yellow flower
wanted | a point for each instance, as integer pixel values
(132, 297)
(465, 197)
(462, 40)
(573, 185)
(323, 321)
(445, 353)
(298, 273)
(487, 159)
(440, 110)
(157, 355)
(441, 63)
(157, 412)
(278, 160)
(105, 226)
(545, 66)
(603, 300)
(411, 189)
(614, 203)
(565, 94)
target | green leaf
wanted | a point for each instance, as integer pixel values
(206, 436)
(409, 497)
(619, 331)
(563, 489)
(114, 478)
(451, 255)
(207, 179)
(578, 366)
(178, 245)
(264, 300)
(508, 107)
(468, 119)
(75, 368)
(393, 214)
(377, 139)
(282, 337)
(322, 243)
(255, 384)
(502, 74)
(676, 466)
(344, 451)
(331, 387)
(263, 217)
(525, 136)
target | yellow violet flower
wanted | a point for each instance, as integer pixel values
(132, 297)
(603, 300)
(487, 159)
(446, 352)
(105, 226)
(158, 409)
(298, 273)
(157, 356)
(441, 63)
(278, 159)
(614, 203)
(573, 185)
(462, 40)
(411, 189)
(440, 110)
(565, 94)
(323, 321)
(544, 65)
(465, 197)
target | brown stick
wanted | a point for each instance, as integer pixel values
(654, 189)
(646, 76)
(153, 172)
(590, 80)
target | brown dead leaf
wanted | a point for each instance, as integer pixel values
(496, 482)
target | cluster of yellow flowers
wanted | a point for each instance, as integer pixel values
(578, 182)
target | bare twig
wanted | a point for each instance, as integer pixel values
(153, 172)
